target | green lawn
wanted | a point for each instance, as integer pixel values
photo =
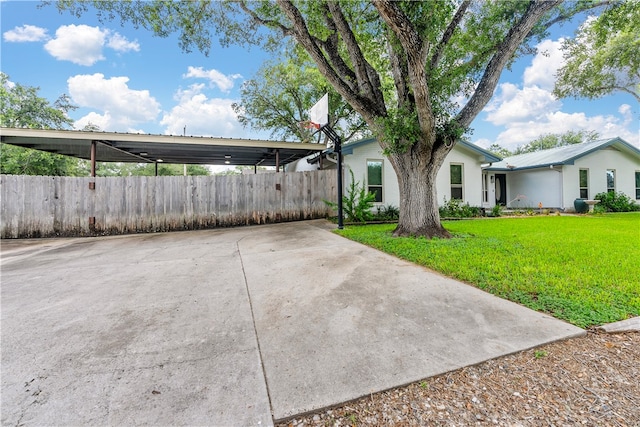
(583, 269)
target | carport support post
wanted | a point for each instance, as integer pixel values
(277, 160)
(92, 182)
(93, 158)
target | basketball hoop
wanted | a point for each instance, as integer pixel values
(319, 113)
(319, 119)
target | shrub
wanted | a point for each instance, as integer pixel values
(357, 203)
(387, 213)
(616, 202)
(455, 209)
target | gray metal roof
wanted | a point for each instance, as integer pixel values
(140, 148)
(561, 155)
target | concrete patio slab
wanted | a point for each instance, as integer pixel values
(232, 326)
(337, 320)
(130, 330)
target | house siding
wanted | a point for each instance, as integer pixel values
(471, 177)
(357, 162)
(472, 174)
(597, 163)
(535, 186)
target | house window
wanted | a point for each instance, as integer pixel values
(374, 178)
(611, 181)
(584, 183)
(485, 188)
(456, 181)
(637, 185)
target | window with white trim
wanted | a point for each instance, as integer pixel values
(584, 183)
(456, 174)
(611, 181)
(637, 185)
(374, 179)
(485, 188)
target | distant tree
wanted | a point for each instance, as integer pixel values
(281, 93)
(604, 56)
(239, 170)
(553, 140)
(148, 169)
(547, 141)
(500, 150)
(21, 107)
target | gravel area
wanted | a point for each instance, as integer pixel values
(589, 381)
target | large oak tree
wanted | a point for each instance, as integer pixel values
(417, 72)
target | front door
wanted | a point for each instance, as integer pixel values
(501, 189)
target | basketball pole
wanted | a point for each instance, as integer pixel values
(319, 115)
(337, 148)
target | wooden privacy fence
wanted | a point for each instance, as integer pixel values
(39, 206)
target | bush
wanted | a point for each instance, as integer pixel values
(455, 209)
(387, 213)
(616, 202)
(357, 203)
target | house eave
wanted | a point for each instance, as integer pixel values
(543, 166)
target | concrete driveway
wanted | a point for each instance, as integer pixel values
(238, 326)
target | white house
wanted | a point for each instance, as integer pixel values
(558, 176)
(460, 176)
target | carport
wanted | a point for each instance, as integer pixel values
(145, 148)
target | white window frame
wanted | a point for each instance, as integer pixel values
(636, 177)
(611, 189)
(381, 185)
(452, 185)
(580, 183)
(485, 188)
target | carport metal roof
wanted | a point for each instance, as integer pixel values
(141, 148)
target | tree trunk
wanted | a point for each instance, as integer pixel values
(419, 214)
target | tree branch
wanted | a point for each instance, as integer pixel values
(330, 47)
(363, 70)
(399, 73)
(565, 16)
(457, 18)
(366, 107)
(415, 50)
(266, 22)
(504, 52)
(403, 28)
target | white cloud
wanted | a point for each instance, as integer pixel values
(201, 115)
(514, 105)
(80, 44)
(121, 107)
(120, 43)
(26, 33)
(83, 45)
(215, 77)
(103, 121)
(544, 66)
(530, 110)
(557, 122)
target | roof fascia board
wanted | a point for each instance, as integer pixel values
(157, 139)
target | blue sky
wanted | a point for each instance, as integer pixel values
(126, 80)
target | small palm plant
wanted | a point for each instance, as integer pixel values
(357, 203)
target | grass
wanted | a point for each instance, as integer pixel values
(582, 269)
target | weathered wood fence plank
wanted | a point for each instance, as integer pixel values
(36, 206)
